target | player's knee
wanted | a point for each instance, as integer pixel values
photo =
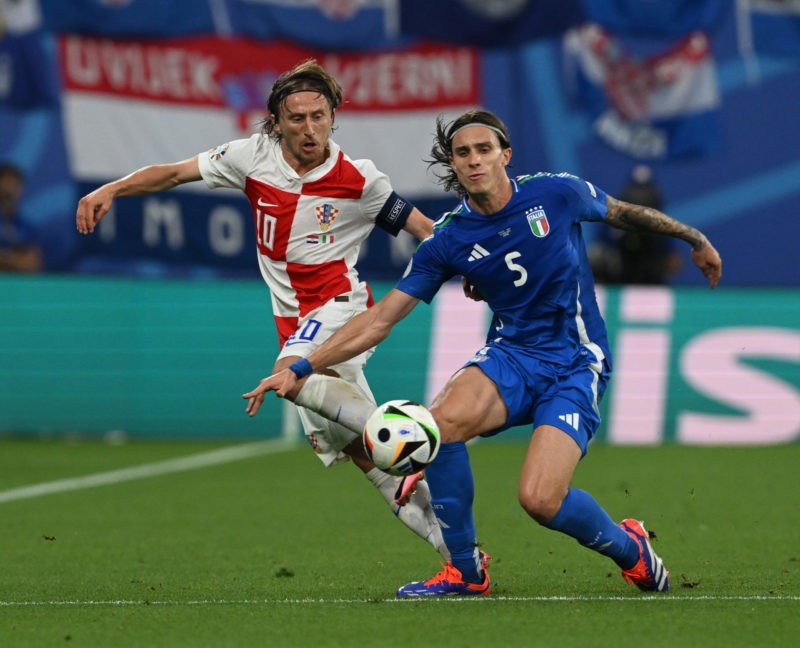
(540, 504)
(451, 428)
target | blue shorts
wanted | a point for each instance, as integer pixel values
(543, 393)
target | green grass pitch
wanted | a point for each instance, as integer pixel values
(274, 550)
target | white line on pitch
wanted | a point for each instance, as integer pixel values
(192, 462)
(655, 598)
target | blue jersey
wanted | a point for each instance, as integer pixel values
(529, 262)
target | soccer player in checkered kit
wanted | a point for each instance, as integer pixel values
(313, 209)
(517, 242)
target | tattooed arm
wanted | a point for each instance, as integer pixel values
(636, 218)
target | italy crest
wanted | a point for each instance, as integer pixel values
(537, 219)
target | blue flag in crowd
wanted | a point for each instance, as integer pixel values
(487, 23)
(325, 24)
(28, 78)
(667, 18)
(128, 17)
(772, 26)
(321, 24)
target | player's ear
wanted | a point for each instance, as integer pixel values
(506, 156)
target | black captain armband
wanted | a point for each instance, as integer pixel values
(394, 214)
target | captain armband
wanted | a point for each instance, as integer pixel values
(394, 214)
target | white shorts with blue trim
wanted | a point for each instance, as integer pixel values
(327, 439)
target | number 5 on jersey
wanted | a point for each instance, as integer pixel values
(515, 267)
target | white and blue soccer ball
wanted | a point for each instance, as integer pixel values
(401, 437)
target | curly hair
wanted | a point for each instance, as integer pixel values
(308, 76)
(442, 150)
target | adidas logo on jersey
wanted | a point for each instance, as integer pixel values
(573, 420)
(478, 252)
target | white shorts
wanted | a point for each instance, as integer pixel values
(327, 438)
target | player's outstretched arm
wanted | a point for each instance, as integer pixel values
(362, 332)
(637, 218)
(422, 227)
(150, 179)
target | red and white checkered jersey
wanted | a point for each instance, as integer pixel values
(309, 229)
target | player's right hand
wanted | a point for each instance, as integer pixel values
(91, 209)
(281, 383)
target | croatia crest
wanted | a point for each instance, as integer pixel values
(326, 214)
(537, 219)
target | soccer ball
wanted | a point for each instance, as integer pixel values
(401, 437)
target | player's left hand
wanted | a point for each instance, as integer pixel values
(281, 383)
(708, 260)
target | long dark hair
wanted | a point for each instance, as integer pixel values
(306, 76)
(442, 150)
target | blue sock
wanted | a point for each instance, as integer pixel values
(581, 517)
(452, 492)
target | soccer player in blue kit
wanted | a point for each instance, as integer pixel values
(518, 244)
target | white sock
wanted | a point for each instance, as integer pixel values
(345, 404)
(337, 400)
(417, 514)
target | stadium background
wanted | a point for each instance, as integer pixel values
(155, 325)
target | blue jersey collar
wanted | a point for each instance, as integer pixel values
(465, 199)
